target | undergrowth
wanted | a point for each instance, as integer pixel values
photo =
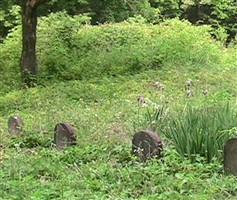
(91, 77)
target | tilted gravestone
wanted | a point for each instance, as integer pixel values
(15, 124)
(64, 135)
(146, 145)
(230, 156)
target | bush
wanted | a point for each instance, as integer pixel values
(10, 52)
(70, 49)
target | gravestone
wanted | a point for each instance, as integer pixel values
(230, 156)
(64, 135)
(146, 145)
(15, 124)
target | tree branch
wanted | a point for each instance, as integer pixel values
(36, 3)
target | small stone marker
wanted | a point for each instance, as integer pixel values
(230, 156)
(15, 124)
(65, 135)
(146, 144)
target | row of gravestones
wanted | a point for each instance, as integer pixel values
(145, 144)
(64, 133)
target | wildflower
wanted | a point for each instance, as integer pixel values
(205, 92)
(159, 85)
(188, 84)
(141, 99)
(189, 93)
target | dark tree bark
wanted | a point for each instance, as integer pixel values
(29, 68)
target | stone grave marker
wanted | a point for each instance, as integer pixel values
(230, 156)
(15, 124)
(64, 135)
(146, 144)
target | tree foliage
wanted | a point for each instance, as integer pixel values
(221, 15)
(217, 13)
(8, 17)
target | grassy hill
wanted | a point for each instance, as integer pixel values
(106, 114)
(104, 110)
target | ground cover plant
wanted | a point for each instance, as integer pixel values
(101, 166)
(88, 86)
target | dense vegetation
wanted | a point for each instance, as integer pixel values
(91, 75)
(220, 14)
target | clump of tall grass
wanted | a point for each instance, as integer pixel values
(202, 131)
(195, 131)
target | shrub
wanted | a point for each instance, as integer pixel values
(10, 52)
(69, 50)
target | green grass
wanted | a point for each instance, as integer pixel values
(203, 131)
(99, 173)
(106, 114)
(108, 67)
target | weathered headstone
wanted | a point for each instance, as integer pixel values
(65, 135)
(15, 124)
(230, 156)
(146, 145)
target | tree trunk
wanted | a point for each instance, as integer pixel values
(29, 68)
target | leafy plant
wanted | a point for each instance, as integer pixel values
(154, 119)
(202, 131)
(116, 49)
(31, 140)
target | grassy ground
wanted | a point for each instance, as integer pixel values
(106, 114)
